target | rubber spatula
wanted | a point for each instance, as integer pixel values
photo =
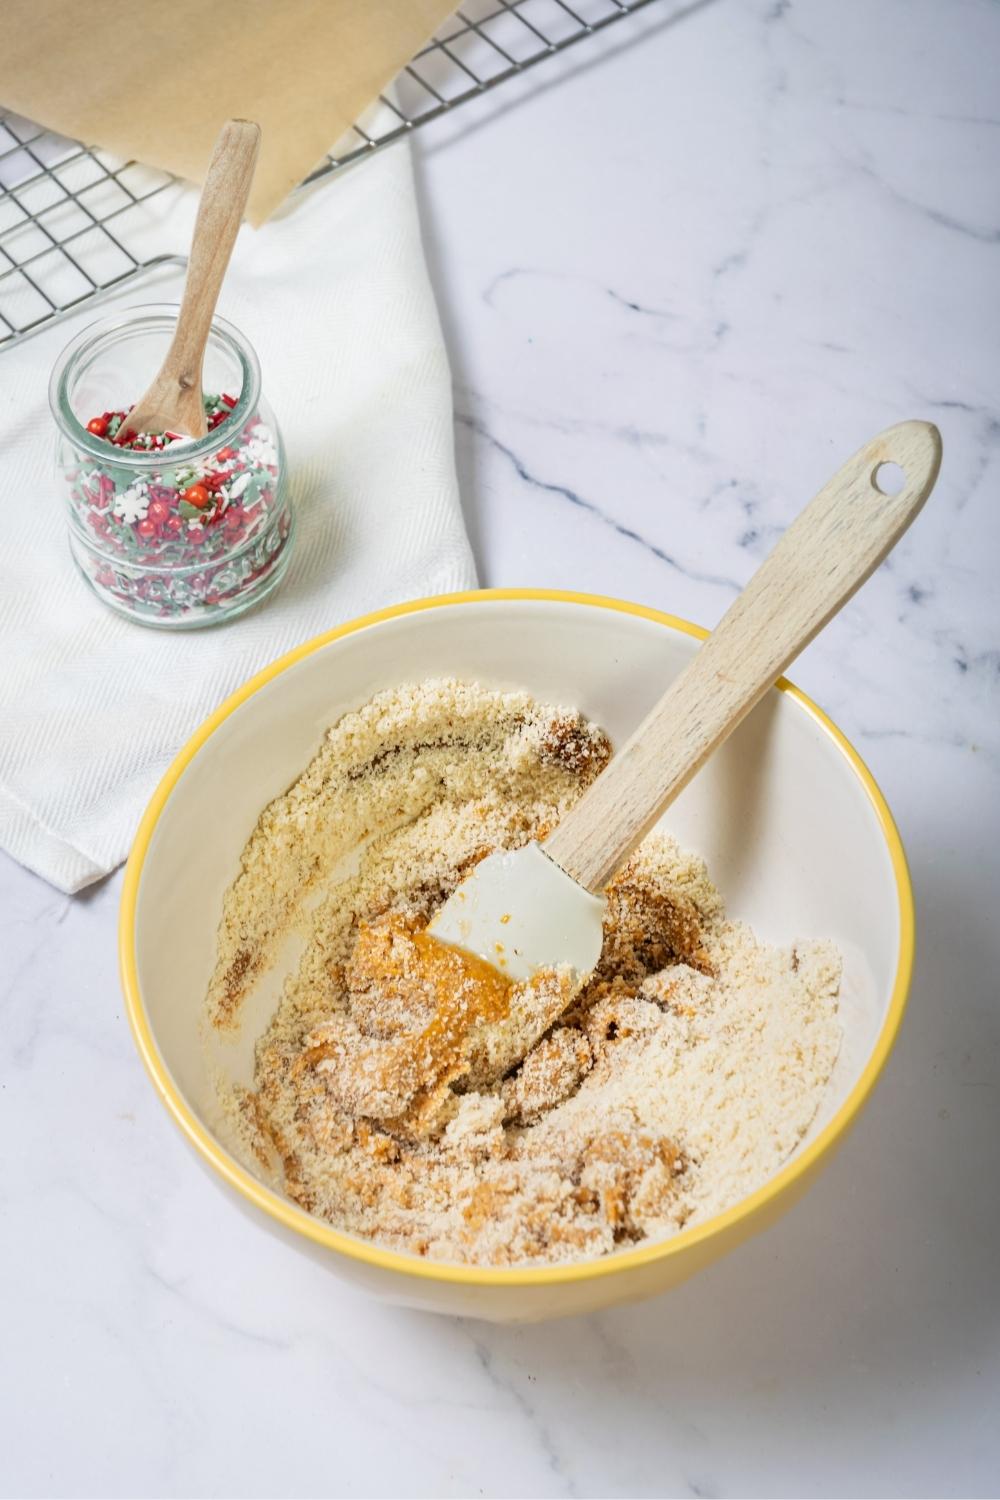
(542, 906)
(173, 403)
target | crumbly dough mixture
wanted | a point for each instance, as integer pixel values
(432, 1105)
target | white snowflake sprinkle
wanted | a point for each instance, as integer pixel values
(132, 504)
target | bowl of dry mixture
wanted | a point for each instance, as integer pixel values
(531, 1151)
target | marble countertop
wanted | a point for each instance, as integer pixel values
(683, 270)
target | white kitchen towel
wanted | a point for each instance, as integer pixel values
(334, 295)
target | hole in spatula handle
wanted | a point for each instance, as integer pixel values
(888, 478)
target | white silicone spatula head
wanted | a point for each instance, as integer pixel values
(521, 912)
(540, 907)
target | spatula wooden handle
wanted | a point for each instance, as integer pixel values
(823, 557)
(220, 213)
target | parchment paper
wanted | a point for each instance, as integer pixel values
(155, 79)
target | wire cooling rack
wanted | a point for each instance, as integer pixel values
(76, 222)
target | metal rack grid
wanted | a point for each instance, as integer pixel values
(76, 222)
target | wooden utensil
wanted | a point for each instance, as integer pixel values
(541, 905)
(173, 403)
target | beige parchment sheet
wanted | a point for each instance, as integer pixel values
(155, 81)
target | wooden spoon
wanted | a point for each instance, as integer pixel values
(173, 403)
(542, 906)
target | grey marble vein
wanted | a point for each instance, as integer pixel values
(582, 503)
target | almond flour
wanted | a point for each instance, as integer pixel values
(450, 1112)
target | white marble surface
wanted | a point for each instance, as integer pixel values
(691, 268)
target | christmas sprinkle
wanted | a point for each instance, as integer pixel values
(182, 537)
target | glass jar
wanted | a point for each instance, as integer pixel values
(189, 532)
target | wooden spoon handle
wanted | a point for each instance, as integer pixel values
(823, 557)
(220, 213)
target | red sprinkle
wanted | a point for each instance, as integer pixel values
(175, 526)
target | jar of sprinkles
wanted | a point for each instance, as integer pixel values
(171, 531)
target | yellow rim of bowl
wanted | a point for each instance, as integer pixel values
(297, 1219)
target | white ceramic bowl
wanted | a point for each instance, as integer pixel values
(795, 831)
